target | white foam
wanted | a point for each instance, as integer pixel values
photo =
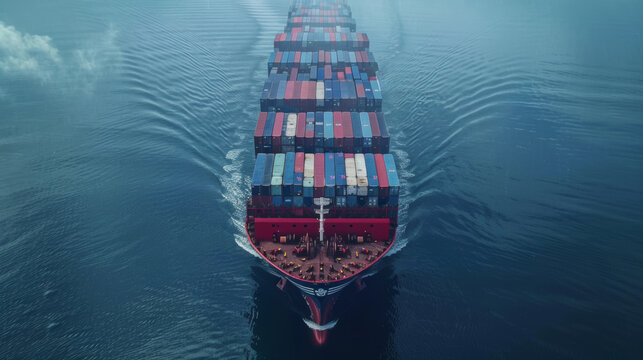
(233, 181)
(314, 326)
(403, 162)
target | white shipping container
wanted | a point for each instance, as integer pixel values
(291, 125)
(362, 186)
(351, 185)
(319, 93)
(309, 165)
(360, 166)
(350, 167)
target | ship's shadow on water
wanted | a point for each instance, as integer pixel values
(364, 331)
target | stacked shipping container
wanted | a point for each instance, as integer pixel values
(284, 95)
(348, 180)
(321, 131)
(338, 60)
(335, 132)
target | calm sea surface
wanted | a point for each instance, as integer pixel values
(126, 153)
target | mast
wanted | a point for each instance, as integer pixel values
(321, 202)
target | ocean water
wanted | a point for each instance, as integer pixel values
(126, 153)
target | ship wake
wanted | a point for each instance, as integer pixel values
(234, 183)
(314, 326)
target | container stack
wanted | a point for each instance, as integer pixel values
(321, 131)
(318, 132)
(347, 179)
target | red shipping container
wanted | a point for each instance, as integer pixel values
(359, 88)
(290, 88)
(261, 124)
(297, 95)
(361, 94)
(321, 56)
(328, 72)
(340, 75)
(297, 57)
(382, 175)
(364, 55)
(375, 130)
(347, 127)
(303, 92)
(301, 128)
(327, 58)
(358, 57)
(293, 74)
(338, 131)
(276, 132)
(319, 180)
(279, 123)
(278, 57)
(312, 93)
(299, 162)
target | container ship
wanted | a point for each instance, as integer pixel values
(324, 203)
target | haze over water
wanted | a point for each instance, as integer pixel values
(126, 154)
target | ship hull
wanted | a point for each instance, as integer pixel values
(320, 297)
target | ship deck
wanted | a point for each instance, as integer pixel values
(335, 259)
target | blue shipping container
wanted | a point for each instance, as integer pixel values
(289, 174)
(298, 201)
(329, 172)
(257, 174)
(391, 172)
(329, 141)
(319, 132)
(371, 172)
(267, 175)
(367, 133)
(340, 175)
(267, 132)
(368, 91)
(277, 201)
(351, 201)
(328, 94)
(357, 132)
(337, 95)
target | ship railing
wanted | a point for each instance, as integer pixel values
(334, 212)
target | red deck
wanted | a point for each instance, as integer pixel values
(356, 245)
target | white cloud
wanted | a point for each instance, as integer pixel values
(27, 54)
(72, 70)
(99, 52)
(92, 61)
